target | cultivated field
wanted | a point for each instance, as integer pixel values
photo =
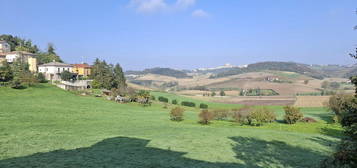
(44, 126)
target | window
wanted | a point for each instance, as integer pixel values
(59, 70)
(46, 69)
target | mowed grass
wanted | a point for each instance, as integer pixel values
(44, 126)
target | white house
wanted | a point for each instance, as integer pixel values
(52, 70)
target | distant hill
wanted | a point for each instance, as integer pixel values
(276, 66)
(340, 71)
(352, 72)
(161, 71)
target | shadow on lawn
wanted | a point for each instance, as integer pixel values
(134, 153)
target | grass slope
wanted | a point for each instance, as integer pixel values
(47, 127)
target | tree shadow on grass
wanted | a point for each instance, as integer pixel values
(121, 152)
(124, 152)
(260, 153)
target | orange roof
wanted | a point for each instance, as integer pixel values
(81, 66)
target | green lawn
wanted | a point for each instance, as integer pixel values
(44, 126)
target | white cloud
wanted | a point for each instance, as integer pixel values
(200, 13)
(151, 6)
(148, 6)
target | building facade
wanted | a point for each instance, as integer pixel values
(53, 70)
(82, 70)
(10, 56)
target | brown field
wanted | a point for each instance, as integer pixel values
(311, 101)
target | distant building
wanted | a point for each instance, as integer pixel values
(24, 56)
(53, 70)
(10, 57)
(82, 70)
(4, 47)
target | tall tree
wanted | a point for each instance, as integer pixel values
(5, 72)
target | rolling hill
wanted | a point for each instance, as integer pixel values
(161, 71)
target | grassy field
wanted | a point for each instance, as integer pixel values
(44, 126)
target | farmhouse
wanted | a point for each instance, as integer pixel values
(53, 69)
(82, 70)
(10, 57)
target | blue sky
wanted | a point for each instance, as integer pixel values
(187, 34)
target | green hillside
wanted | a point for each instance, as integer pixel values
(44, 126)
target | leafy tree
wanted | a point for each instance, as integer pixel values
(292, 114)
(325, 84)
(222, 93)
(67, 76)
(41, 78)
(6, 73)
(108, 76)
(176, 114)
(174, 101)
(213, 93)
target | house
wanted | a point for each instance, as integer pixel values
(24, 56)
(53, 70)
(82, 70)
(11, 56)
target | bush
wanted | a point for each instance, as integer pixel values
(163, 99)
(292, 114)
(152, 98)
(337, 104)
(41, 78)
(176, 114)
(205, 117)
(308, 120)
(261, 115)
(16, 84)
(188, 104)
(241, 115)
(174, 101)
(220, 114)
(222, 93)
(203, 106)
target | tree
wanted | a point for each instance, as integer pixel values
(205, 117)
(292, 114)
(176, 114)
(108, 76)
(325, 84)
(6, 73)
(306, 82)
(213, 93)
(51, 49)
(222, 93)
(335, 85)
(67, 76)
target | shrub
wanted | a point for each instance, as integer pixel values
(188, 104)
(308, 120)
(203, 106)
(337, 104)
(292, 114)
(205, 117)
(261, 115)
(41, 78)
(222, 93)
(163, 99)
(16, 84)
(213, 94)
(176, 114)
(153, 98)
(174, 101)
(220, 114)
(241, 115)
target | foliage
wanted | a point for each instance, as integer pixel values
(203, 106)
(261, 115)
(222, 93)
(213, 93)
(68, 76)
(6, 73)
(16, 84)
(205, 117)
(176, 114)
(335, 85)
(163, 99)
(306, 81)
(188, 104)
(153, 97)
(241, 115)
(220, 114)
(337, 104)
(292, 114)
(174, 101)
(41, 78)
(107, 76)
(325, 84)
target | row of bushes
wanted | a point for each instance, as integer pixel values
(184, 103)
(246, 115)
